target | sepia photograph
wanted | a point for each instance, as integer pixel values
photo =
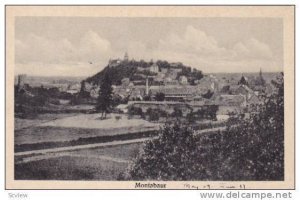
(150, 97)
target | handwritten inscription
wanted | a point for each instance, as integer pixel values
(212, 186)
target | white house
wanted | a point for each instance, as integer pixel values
(154, 68)
(183, 80)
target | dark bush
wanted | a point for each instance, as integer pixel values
(177, 112)
(159, 96)
(132, 110)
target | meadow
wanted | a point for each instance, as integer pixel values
(92, 164)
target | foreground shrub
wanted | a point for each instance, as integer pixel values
(251, 148)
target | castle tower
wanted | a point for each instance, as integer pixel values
(126, 58)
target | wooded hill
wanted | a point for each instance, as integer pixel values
(129, 69)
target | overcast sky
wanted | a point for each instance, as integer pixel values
(82, 46)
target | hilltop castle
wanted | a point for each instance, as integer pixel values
(115, 62)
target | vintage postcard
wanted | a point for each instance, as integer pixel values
(150, 97)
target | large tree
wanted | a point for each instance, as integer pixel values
(104, 101)
(255, 143)
(169, 157)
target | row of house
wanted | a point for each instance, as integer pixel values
(167, 76)
(178, 92)
(230, 99)
(225, 106)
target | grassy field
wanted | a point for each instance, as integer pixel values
(69, 168)
(60, 130)
(73, 127)
(126, 152)
(84, 166)
(42, 118)
(88, 121)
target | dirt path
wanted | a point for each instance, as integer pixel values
(107, 144)
(211, 130)
(60, 154)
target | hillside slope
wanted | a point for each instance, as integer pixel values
(132, 70)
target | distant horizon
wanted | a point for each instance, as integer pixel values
(62, 76)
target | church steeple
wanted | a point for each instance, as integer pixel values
(260, 79)
(260, 73)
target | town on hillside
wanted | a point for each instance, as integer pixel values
(93, 128)
(150, 101)
(156, 85)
